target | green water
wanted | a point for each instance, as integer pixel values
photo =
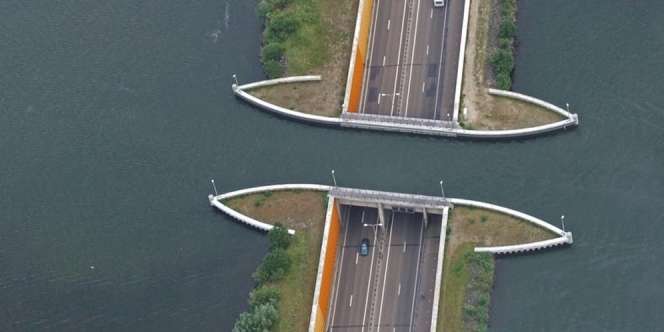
(115, 115)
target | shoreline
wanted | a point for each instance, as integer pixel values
(470, 223)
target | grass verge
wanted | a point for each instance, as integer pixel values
(485, 111)
(307, 37)
(303, 211)
(468, 276)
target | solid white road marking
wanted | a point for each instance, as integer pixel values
(384, 61)
(350, 304)
(399, 290)
(412, 57)
(440, 63)
(427, 49)
(373, 39)
(387, 264)
(366, 300)
(404, 246)
(388, 25)
(423, 84)
(357, 255)
(431, 15)
(417, 270)
(341, 264)
(396, 77)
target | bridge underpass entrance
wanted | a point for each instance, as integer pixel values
(391, 287)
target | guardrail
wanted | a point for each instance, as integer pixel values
(384, 197)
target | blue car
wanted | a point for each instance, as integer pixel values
(364, 247)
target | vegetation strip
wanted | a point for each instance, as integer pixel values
(468, 276)
(286, 278)
(502, 59)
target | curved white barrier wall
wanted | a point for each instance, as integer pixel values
(283, 80)
(216, 201)
(536, 101)
(285, 111)
(564, 237)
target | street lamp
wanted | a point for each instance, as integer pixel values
(334, 179)
(562, 220)
(235, 79)
(442, 191)
(567, 105)
(214, 187)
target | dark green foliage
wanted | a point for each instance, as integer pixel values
(507, 28)
(502, 60)
(280, 27)
(263, 295)
(271, 56)
(279, 237)
(259, 319)
(476, 307)
(274, 266)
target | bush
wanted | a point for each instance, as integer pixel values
(279, 237)
(263, 295)
(259, 319)
(503, 61)
(274, 266)
(273, 69)
(503, 81)
(507, 28)
(281, 26)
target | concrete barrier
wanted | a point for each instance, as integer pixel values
(216, 202)
(533, 100)
(358, 57)
(462, 58)
(439, 270)
(326, 268)
(326, 120)
(283, 80)
(564, 237)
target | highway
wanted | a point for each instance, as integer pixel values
(413, 59)
(391, 289)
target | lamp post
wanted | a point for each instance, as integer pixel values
(567, 105)
(442, 191)
(235, 79)
(214, 187)
(562, 220)
(334, 179)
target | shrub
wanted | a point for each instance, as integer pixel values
(281, 26)
(279, 237)
(503, 61)
(507, 28)
(274, 266)
(273, 69)
(264, 8)
(503, 81)
(259, 319)
(263, 295)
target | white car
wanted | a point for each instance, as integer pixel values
(439, 3)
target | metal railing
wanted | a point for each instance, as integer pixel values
(417, 122)
(398, 199)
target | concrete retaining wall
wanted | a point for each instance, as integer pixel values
(283, 80)
(564, 237)
(326, 267)
(533, 100)
(216, 202)
(358, 56)
(462, 60)
(282, 110)
(439, 270)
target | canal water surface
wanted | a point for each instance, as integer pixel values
(114, 115)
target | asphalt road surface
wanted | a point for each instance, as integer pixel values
(391, 289)
(413, 59)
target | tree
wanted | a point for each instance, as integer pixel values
(263, 295)
(274, 266)
(259, 319)
(279, 237)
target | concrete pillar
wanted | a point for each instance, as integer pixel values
(381, 214)
(426, 219)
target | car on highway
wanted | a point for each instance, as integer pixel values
(439, 3)
(364, 247)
